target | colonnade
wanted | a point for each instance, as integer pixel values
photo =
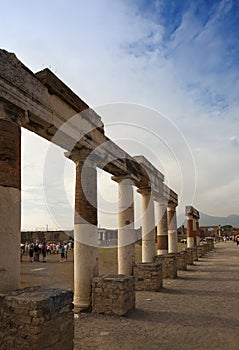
(193, 230)
(86, 217)
(42, 103)
(85, 249)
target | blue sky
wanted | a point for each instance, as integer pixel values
(164, 77)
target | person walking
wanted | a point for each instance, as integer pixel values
(66, 250)
(62, 253)
(31, 251)
(43, 250)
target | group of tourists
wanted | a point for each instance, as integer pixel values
(37, 251)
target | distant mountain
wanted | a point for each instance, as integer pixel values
(207, 220)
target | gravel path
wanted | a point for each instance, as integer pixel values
(199, 310)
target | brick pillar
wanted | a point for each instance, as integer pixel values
(126, 236)
(148, 225)
(190, 238)
(162, 226)
(172, 230)
(85, 228)
(10, 204)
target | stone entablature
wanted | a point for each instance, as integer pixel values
(190, 210)
(154, 176)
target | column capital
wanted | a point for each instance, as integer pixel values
(189, 217)
(145, 190)
(190, 210)
(161, 201)
(83, 155)
(171, 206)
(13, 114)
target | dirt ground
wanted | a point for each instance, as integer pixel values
(198, 310)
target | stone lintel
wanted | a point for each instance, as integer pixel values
(154, 176)
(167, 195)
(144, 190)
(191, 211)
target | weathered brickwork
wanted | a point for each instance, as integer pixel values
(113, 294)
(36, 318)
(10, 154)
(148, 276)
(169, 265)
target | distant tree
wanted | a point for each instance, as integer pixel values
(226, 228)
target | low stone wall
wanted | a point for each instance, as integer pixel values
(210, 244)
(148, 276)
(169, 265)
(201, 251)
(181, 261)
(195, 254)
(189, 256)
(37, 318)
(113, 294)
(206, 248)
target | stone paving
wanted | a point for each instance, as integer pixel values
(198, 310)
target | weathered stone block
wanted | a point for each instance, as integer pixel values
(195, 254)
(189, 256)
(200, 251)
(46, 319)
(181, 261)
(169, 265)
(113, 294)
(148, 276)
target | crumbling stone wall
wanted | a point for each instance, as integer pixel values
(36, 318)
(113, 294)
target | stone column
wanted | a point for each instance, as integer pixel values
(148, 225)
(126, 236)
(219, 232)
(194, 231)
(190, 238)
(85, 228)
(197, 231)
(162, 226)
(172, 230)
(10, 203)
